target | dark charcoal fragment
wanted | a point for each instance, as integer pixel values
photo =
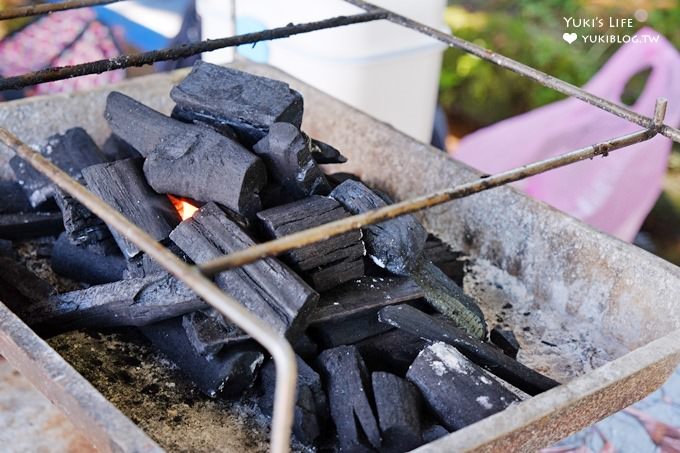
(311, 406)
(398, 404)
(349, 331)
(13, 198)
(30, 225)
(20, 287)
(248, 103)
(81, 264)
(306, 348)
(457, 390)
(324, 264)
(437, 329)
(286, 152)
(442, 256)
(506, 340)
(115, 148)
(323, 153)
(71, 151)
(227, 373)
(433, 433)
(267, 287)
(392, 351)
(82, 227)
(209, 332)
(189, 160)
(349, 394)
(122, 185)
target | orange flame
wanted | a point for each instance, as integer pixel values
(183, 207)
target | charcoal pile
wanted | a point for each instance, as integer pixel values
(391, 352)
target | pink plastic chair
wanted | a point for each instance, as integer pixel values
(613, 194)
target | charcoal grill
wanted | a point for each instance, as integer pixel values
(625, 296)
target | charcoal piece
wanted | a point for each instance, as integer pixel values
(189, 160)
(457, 390)
(433, 432)
(267, 287)
(489, 357)
(122, 185)
(335, 179)
(397, 245)
(19, 287)
(115, 148)
(187, 116)
(133, 302)
(323, 153)
(207, 334)
(506, 340)
(29, 225)
(311, 406)
(447, 260)
(349, 394)
(81, 264)
(71, 151)
(248, 103)
(13, 198)
(398, 404)
(306, 348)
(83, 228)
(227, 373)
(392, 351)
(285, 151)
(324, 264)
(143, 265)
(330, 334)
(6, 248)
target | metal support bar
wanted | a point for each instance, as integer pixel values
(331, 229)
(175, 53)
(522, 69)
(45, 8)
(277, 345)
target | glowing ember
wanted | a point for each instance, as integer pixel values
(183, 207)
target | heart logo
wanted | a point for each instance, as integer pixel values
(569, 37)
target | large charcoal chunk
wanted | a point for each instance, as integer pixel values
(82, 264)
(324, 264)
(71, 151)
(349, 394)
(227, 373)
(189, 160)
(396, 244)
(267, 287)
(392, 351)
(398, 403)
(311, 406)
(457, 390)
(243, 101)
(286, 151)
(122, 185)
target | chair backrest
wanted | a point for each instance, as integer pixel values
(615, 193)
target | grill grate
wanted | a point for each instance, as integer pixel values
(197, 277)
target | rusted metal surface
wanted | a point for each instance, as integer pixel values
(45, 8)
(571, 273)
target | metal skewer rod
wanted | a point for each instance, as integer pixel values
(331, 229)
(46, 8)
(522, 69)
(277, 345)
(175, 53)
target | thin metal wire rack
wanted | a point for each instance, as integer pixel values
(198, 277)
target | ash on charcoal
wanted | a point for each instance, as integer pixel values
(324, 264)
(267, 287)
(398, 404)
(457, 390)
(187, 159)
(71, 151)
(80, 263)
(122, 185)
(248, 103)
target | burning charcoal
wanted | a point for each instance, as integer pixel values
(115, 148)
(506, 340)
(133, 302)
(285, 151)
(207, 334)
(71, 151)
(227, 373)
(20, 287)
(248, 103)
(433, 433)
(392, 351)
(311, 407)
(189, 160)
(81, 264)
(30, 225)
(397, 403)
(442, 256)
(324, 264)
(457, 390)
(6, 248)
(13, 198)
(434, 329)
(122, 185)
(267, 287)
(397, 245)
(348, 388)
